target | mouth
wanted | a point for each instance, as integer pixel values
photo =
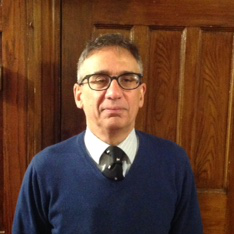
(114, 111)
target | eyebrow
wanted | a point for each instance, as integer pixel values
(106, 72)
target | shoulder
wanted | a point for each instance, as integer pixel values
(60, 152)
(66, 146)
(158, 143)
(170, 159)
(162, 149)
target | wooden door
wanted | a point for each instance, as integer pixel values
(187, 49)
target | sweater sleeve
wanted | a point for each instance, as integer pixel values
(30, 214)
(187, 218)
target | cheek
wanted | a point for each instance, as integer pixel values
(90, 112)
(91, 104)
(138, 101)
(134, 106)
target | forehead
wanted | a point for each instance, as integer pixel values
(110, 59)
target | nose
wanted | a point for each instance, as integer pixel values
(114, 91)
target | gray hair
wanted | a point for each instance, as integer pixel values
(109, 40)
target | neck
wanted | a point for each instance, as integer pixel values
(112, 136)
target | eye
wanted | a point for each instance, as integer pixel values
(99, 79)
(129, 78)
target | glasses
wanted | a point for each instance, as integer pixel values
(99, 82)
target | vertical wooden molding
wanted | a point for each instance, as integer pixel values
(181, 87)
(51, 72)
(230, 150)
(191, 74)
(0, 16)
(34, 74)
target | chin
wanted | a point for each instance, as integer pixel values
(113, 126)
(116, 126)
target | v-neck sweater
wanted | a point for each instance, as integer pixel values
(65, 192)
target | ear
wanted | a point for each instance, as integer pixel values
(142, 94)
(77, 90)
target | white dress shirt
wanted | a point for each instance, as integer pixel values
(96, 147)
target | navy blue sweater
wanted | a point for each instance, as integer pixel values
(64, 192)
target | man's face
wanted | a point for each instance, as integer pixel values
(114, 108)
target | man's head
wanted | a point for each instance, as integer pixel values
(110, 105)
(108, 40)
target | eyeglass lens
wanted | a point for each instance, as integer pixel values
(102, 81)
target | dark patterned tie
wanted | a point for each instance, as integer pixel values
(114, 170)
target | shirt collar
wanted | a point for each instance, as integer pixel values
(96, 147)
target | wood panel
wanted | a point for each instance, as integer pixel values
(31, 115)
(207, 120)
(151, 12)
(165, 61)
(214, 122)
(213, 87)
(14, 104)
(214, 211)
(43, 75)
(51, 72)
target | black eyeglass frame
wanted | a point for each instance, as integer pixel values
(111, 79)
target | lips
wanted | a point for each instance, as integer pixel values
(114, 110)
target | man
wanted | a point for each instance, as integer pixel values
(81, 186)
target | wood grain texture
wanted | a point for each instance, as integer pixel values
(211, 97)
(213, 207)
(31, 115)
(163, 94)
(43, 75)
(14, 104)
(230, 150)
(170, 12)
(51, 72)
(34, 76)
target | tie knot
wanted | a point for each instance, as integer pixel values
(113, 163)
(116, 153)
